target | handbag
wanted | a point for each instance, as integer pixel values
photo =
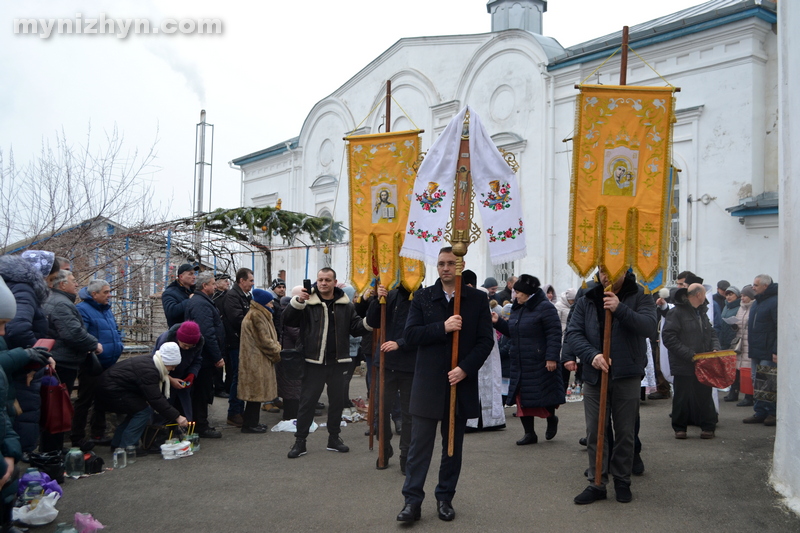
(92, 365)
(292, 363)
(736, 345)
(715, 369)
(57, 408)
(766, 384)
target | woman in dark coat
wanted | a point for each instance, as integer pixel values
(535, 331)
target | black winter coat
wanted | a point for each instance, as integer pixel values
(65, 325)
(403, 359)
(201, 309)
(535, 331)
(30, 291)
(174, 300)
(131, 385)
(686, 332)
(762, 332)
(633, 323)
(311, 317)
(425, 330)
(233, 307)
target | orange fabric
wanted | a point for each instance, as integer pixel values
(381, 179)
(619, 212)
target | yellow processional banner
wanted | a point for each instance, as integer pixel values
(381, 179)
(619, 195)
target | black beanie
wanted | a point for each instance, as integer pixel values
(527, 284)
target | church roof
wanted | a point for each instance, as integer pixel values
(691, 20)
(276, 149)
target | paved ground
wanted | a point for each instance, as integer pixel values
(245, 483)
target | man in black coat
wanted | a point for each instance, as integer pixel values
(688, 331)
(234, 306)
(176, 296)
(633, 322)
(201, 309)
(399, 362)
(430, 325)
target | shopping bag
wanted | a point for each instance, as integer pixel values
(715, 369)
(57, 409)
(766, 385)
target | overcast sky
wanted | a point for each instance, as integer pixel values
(257, 80)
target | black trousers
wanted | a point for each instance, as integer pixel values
(396, 382)
(87, 387)
(423, 439)
(315, 378)
(202, 391)
(692, 403)
(251, 414)
(49, 442)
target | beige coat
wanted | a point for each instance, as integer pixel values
(259, 350)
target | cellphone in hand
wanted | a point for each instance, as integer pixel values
(307, 285)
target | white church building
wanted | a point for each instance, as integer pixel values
(722, 55)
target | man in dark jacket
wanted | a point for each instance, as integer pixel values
(429, 328)
(633, 316)
(137, 387)
(688, 331)
(763, 341)
(176, 296)
(100, 323)
(326, 319)
(201, 309)
(399, 362)
(234, 306)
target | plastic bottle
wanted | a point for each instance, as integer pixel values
(578, 393)
(120, 458)
(130, 453)
(74, 463)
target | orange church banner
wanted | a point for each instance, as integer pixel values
(381, 179)
(619, 195)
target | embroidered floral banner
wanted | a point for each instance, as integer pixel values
(619, 197)
(381, 176)
(494, 183)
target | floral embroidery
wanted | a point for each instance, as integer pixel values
(431, 198)
(504, 235)
(425, 234)
(498, 198)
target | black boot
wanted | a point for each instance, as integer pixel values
(552, 427)
(733, 394)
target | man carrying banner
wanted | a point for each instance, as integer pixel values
(429, 327)
(634, 321)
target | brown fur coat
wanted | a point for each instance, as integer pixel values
(259, 350)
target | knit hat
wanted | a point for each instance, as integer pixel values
(527, 284)
(262, 297)
(8, 304)
(40, 260)
(277, 282)
(748, 291)
(489, 283)
(468, 277)
(731, 288)
(188, 333)
(571, 293)
(723, 284)
(170, 354)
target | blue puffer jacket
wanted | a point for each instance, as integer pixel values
(30, 291)
(11, 361)
(762, 330)
(535, 331)
(101, 324)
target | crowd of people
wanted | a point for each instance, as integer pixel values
(522, 346)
